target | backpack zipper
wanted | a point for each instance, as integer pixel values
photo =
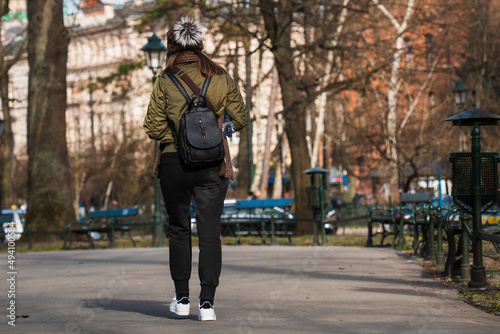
(203, 131)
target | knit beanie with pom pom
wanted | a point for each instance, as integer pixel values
(184, 35)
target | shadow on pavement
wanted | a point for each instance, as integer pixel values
(146, 307)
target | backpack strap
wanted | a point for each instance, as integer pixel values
(179, 87)
(193, 86)
(205, 87)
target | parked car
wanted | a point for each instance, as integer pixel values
(9, 217)
(490, 217)
(230, 211)
(331, 226)
(447, 201)
(279, 214)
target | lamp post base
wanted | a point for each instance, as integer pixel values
(440, 259)
(478, 277)
(465, 273)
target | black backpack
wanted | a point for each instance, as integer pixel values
(199, 141)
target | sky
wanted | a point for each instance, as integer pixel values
(73, 4)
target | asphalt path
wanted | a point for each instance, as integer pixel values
(263, 289)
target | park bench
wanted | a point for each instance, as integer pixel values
(392, 220)
(103, 222)
(459, 238)
(459, 235)
(259, 217)
(423, 219)
(456, 236)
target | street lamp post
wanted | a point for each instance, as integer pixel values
(460, 94)
(475, 183)
(317, 201)
(154, 52)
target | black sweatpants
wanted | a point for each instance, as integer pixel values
(181, 184)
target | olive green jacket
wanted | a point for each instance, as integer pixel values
(168, 104)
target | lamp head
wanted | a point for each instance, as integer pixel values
(154, 51)
(460, 92)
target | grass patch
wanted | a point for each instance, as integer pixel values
(487, 300)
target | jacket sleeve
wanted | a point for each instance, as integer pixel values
(235, 106)
(156, 121)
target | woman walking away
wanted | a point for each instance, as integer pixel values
(181, 182)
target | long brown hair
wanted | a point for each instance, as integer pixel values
(207, 67)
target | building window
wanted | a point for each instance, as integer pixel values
(432, 103)
(408, 54)
(429, 48)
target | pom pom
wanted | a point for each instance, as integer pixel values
(187, 33)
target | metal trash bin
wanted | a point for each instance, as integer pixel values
(462, 189)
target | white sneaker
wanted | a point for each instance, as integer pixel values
(206, 312)
(180, 307)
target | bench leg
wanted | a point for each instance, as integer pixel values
(132, 239)
(89, 238)
(384, 234)
(369, 240)
(395, 239)
(416, 236)
(65, 238)
(111, 242)
(401, 237)
(451, 259)
(432, 241)
(237, 233)
(465, 267)
(423, 242)
(263, 237)
(70, 240)
(273, 233)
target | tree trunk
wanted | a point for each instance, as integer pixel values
(49, 175)
(7, 138)
(269, 133)
(296, 135)
(259, 145)
(249, 106)
(243, 176)
(278, 23)
(6, 146)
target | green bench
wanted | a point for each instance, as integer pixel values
(459, 238)
(392, 220)
(103, 222)
(259, 217)
(456, 238)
